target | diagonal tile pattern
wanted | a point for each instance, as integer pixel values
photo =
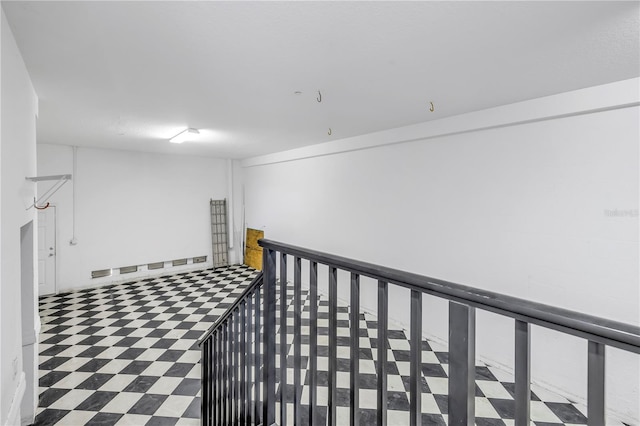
(126, 355)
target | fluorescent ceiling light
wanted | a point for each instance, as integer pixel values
(185, 135)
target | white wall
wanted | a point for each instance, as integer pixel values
(517, 206)
(17, 161)
(132, 208)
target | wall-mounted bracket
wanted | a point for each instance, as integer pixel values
(60, 181)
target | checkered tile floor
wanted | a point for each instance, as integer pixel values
(126, 354)
(494, 388)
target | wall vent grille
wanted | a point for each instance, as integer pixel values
(101, 273)
(157, 265)
(128, 269)
(149, 266)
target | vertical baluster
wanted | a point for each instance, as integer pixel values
(213, 389)
(313, 340)
(256, 364)
(522, 373)
(236, 366)
(462, 324)
(283, 339)
(225, 387)
(230, 371)
(354, 319)
(333, 342)
(250, 322)
(243, 361)
(205, 408)
(220, 381)
(595, 383)
(383, 323)
(297, 332)
(269, 352)
(415, 368)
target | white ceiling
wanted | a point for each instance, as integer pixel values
(129, 75)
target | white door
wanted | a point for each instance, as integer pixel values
(47, 251)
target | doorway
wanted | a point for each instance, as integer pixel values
(47, 251)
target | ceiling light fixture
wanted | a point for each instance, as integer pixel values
(185, 135)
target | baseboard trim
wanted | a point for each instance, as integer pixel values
(14, 412)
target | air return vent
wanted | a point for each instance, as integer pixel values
(179, 262)
(128, 269)
(200, 259)
(101, 273)
(157, 265)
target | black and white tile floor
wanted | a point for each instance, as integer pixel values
(126, 354)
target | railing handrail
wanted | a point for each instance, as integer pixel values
(602, 330)
(250, 289)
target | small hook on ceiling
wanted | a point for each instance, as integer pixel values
(319, 98)
(432, 107)
(329, 132)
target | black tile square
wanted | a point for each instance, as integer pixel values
(96, 401)
(188, 387)
(141, 384)
(53, 363)
(49, 417)
(164, 343)
(179, 369)
(52, 378)
(162, 421)
(566, 412)
(95, 381)
(193, 410)
(104, 419)
(131, 353)
(504, 407)
(171, 355)
(50, 396)
(92, 352)
(148, 404)
(94, 365)
(136, 367)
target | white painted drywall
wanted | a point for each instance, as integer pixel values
(519, 209)
(132, 208)
(17, 161)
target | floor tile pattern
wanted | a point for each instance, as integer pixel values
(126, 355)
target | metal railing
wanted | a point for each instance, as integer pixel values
(227, 381)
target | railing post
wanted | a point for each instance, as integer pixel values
(415, 368)
(595, 384)
(283, 339)
(333, 341)
(383, 324)
(256, 362)
(354, 317)
(243, 361)
(313, 341)
(522, 373)
(297, 337)
(269, 351)
(462, 324)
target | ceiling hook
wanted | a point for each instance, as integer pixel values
(432, 107)
(329, 132)
(319, 98)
